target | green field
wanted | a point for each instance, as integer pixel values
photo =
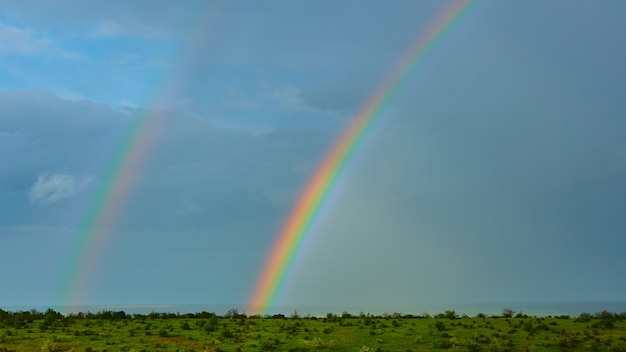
(118, 331)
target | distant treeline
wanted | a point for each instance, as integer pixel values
(19, 319)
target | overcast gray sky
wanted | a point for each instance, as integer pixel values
(497, 173)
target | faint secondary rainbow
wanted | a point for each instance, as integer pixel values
(315, 194)
(107, 203)
(105, 208)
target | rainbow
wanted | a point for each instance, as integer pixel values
(317, 191)
(105, 209)
(110, 196)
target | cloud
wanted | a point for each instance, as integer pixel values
(110, 18)
(19, 41)
(283, 98)
(110, 28)
(341, 94)
(52, 187)
(14, 40)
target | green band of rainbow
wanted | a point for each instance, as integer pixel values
(321, 185)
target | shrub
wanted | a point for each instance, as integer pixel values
(584, 317)
(50, 346)
(615, 347)
(450, 314)
(604, 324)
(227, 334)
(444, 343)
(266, 346)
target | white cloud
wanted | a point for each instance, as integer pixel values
(68, 54)
(15, 40)
(109, 28)
(123, 59)
(51, 187)
(70, 96)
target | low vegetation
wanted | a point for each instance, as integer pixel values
(117, 331)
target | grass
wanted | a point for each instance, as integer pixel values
(117, 331)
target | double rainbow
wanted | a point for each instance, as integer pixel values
(303, 216)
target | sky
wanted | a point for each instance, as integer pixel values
(497, 173)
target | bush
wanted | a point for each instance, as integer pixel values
(444, 343)
(50, 346)
(227, 334)
(266, 346)
(450, 314)
(616, 347)
(211, 325)
(604, 324)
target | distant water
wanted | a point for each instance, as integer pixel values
(531, 309)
